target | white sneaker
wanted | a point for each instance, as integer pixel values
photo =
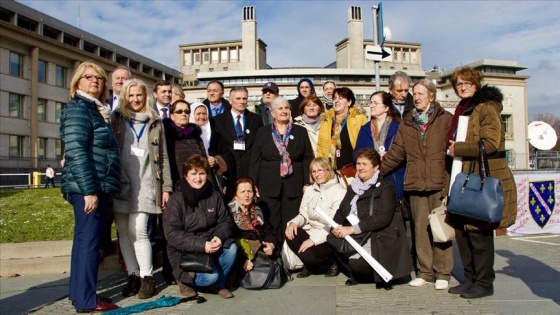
(442, 284)
(418, 282)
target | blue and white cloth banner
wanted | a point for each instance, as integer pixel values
(538, 204)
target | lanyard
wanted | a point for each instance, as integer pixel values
(138, 135)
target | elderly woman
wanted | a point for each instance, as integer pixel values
(339, 131)
(90, 175)
(311, 117)
(306, 234)
(328, 94)
(219, 156)
(370, 206)
(305, 88)
(197, 220)
(279, 161)
(380, 133)
(421, 141)
(252, 233)
(475, 239)
(146, 183)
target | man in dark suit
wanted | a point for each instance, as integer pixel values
(215, 102)
(162, 95)
(120, 75)
(399, 86)
(238, 128)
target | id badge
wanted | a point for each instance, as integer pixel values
(353, 219)
(337, 153)
(239, 145)
(135, 151)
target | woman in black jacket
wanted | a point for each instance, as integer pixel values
(359, 214)
(280, 166)
(197, 220)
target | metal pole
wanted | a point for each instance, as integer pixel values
(375, 42)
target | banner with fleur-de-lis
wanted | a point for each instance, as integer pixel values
(538, 205)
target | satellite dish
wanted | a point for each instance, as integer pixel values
(541, 135)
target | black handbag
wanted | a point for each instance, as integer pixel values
(197, 262)
(341, 245)
(268, 274)
(477, 197)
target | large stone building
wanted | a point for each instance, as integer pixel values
(243, 62)
(38, 55)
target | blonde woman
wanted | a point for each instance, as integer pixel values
(90, 175)
(146, 182)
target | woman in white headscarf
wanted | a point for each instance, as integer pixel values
(219, 156)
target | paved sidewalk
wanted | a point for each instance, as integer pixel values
(527, 282)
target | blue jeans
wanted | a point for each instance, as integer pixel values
(226, 260)
(85, 250)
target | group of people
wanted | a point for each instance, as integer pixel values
(218, 179)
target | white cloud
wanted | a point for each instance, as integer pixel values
(303, 33)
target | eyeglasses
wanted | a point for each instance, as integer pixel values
(90, 77)
(180, 112)
(376, 104)
(464, 84)
(318, 171)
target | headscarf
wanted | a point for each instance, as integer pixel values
(310, 85)
(206, 129)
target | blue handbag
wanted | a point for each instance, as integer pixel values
(479, 197)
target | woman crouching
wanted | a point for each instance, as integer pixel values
(370, 206)
(197, 220)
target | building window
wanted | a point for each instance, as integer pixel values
(224, 55)
(233, 55)
(187, 59)
(58, 109)
(16, 64)
(60, 76)
(215, 57)
(59, 148)
(42, 72)
(41, 148)
(16, 108)
(16, 146)
(41, 109)
(206, 57)
(508, 126)
(197, 58)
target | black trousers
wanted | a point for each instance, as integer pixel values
(477, 254)
(279, 210)
(314, 256)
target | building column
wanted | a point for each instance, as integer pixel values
(34, 95)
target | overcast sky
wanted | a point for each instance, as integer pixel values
(303, 33)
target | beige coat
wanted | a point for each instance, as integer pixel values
(327, 197)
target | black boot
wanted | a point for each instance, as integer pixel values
(132, 286)
(304, 273)
(477, 292)
(333, 270)
(461, 288)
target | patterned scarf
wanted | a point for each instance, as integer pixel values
(281, 143)
(335, 137)
(246, 221)
(379, 136)
(359, 188)
(422, 119)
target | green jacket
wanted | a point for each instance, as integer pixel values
(91, 153)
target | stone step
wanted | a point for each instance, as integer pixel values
(48, 265)
(35, 249)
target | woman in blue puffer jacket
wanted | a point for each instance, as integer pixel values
(90, 175)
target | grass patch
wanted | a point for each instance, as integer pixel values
(32, 215)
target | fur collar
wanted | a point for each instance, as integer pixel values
(486, 94)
